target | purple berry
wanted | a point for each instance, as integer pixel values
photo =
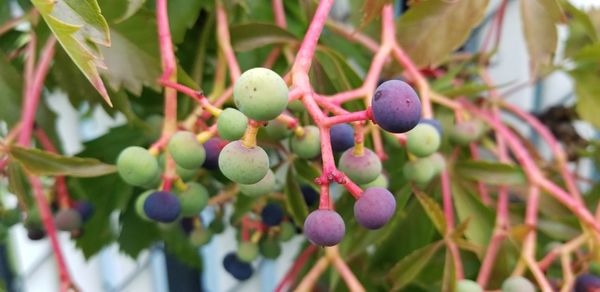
(162, 207)
(324, 227)
(342, 137)
(587, 283)
(36, 233)
(213, 147)
(67, 219)
(85, 209)
(272, 214)
(374, 208)
(396, 107)
(238, 269)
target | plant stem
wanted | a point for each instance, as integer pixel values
(295, 269)
(224, 41)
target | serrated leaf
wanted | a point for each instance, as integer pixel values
(136, 234)
(78, 25)
(410, 266)
(469, 207)
(178, 244)
(40, 162)
(433, 210)
(17, 183)
(490, 172)
(249, 36)
(294, 202)
(430, 30)
(539, 29)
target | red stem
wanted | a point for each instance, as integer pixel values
(296, 267)
(225, 42)
(60, 184)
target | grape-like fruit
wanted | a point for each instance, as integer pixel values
(307, 146)
(272, 214)
(438, 162)
(342, 137)
(186, 150)
(193, 199)
(360, 169)
(184, 173)
(270, 248)
(466, 132)
(213, 148)
(85, 209)
(587, 283)
(67, 219)
(517, 284)
(288, 230)
(243, 165)
(381, 181)
(374, 208)
(200, 237)
(435, 123)
(324, 227)
(260, 94)
(139, 204)
(277, 130)
(311, 196)
(162, 207)
(465, 285)
(420, 170)
(36, 233)
(265, 186)
(247, 251)
(396, 107)
(137, 166)
(231, 124)
(423, 140)
(238, 269)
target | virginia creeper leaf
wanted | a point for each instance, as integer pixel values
(294, 199)
(410, 266)
(433, 210)
(490, 172)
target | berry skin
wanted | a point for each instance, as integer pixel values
(517, 284)
(67, 220)
(139, 204)
(85, 209)
(311, 196)
(381, 181)
(213, 148)
(324, 227)
(35, 233)
(435, 123)
(260, 94)
(423, 140)
(438, 162)
(374, 208)
(265, 186)
(288, 230)
(465, 285)
(466, 132)
(342, 137)
(200, 237)
(309, 145)
(186, 150)
(587, 283)
(243, 165)
(231, 124)
(277, 130)
(162, 207)
(360, 169)
(270, 248)
(238, 269)
(137, 166)
(396, 107)
(193, 199)
(272, 214)
(420, 170)
(247, 251)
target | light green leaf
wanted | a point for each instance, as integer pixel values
(40, 162)
(79, 25)
(249, 36)
(449, 280)
(410, 266)
(430, 30)
(468, 207)
(490, 172)
(433, 210)
(132, 7)
(539, 28)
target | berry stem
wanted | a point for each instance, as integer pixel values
(340, 265)
(309, 280)
(363, 115)
(249, 139)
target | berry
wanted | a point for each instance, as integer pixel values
(139, 204)
(381, 181)
(423, 140)
(270, 248)
(420, 170)
(238, 269)
(162, 206)
(272, 214)
(193, 199)
(265, 186)
(184, 173)
(435, 123)
(213, 148)
(186, 150)
(243, 165)
(311, 196)
(137, 166)
(587, 283)
(260, 94)
(288, 230)
(438, 162)
(67, 219)
(307, 146)
(231, 124)
(200, 237)
(466, 132)
(342, 137)
(85, 209)
(396, 107)
(517, 284)
(360, 169)
(296, 106)
(35, 233)
(277, 130)
(324, 227)
(247, 251)
(374, 208)
(465, 285)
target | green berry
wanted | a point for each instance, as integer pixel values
(465, 285)
(423, 140)
(270, 248)
(287, 231)
(517, 284)
(466, 132)
(421, 171)
(277, 130)
(247, 251)
(361, 169)
(307, 146)
(231, 124)
(438, 162)
(139, 204)
(242, 164)
(137, 166)
(381, 181)
(193, 199)
(260, 94)
(200, 237)
(186, 150)
(263, 187)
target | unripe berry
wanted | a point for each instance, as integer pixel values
(139, 204)
(247, 251)
(231, 124)
(466, 285)
(243, 165)
(423, 140)
(270, 248)
(260, 94)
(307, 146)
(137, 166)
(193, 199)
(200, 237)
(263, 187)
(186, 150)
(517, 284)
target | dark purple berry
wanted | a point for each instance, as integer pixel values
(238, 269)
(85, 209)
(587, 283)
(374, 208)
(187, 224)
(213, 147)
(162, 207)
(311, 196)
(324, 227)
(396, 107)
(272, 214)
(342, 137)
(36, 233)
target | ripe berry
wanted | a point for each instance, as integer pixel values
(137, 166)
(162, 206)
(265, 186)
(465, 285)
(277, 130)
(186, 150)
(193, 199)
(200, 237)
(272, 214)
(85, 209)
(517, 284)
(466, 132)
(270, 248)
(67, 219)
(324, 227)
(307, 146)
(231, 124)
(243, 165)
(423, 140)
(238, 269)
(311, 196)
(35, 233)
(213, 148)
(247, 251)
(260, 94)
(374, 208)
(396, 107)
(342, 137)
(587, 283)
(360, 169)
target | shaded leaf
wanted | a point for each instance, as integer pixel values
(340, 73)
(249, 36)
(243, 204)
(490, 172)
(17, 183)
(469, 207)
(587, 84)
(433, 210)
(539, 29)
(410, 266)
(132, 8)
(178, 244)
(11, 91)
(449, 280)
(295, 200)
(306, 169)
(182, 16)
(136, 234)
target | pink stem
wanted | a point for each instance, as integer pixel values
(353, 35)
(348, 118)
(295, 269)
(414, 72)
(225, 42)
(309, 44)
(449, 215)
(279, 13)
(344, 96)
(60, 184)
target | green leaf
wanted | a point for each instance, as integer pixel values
(372, 9)
(340, 73)
(306, 169)
(11, 89)
(133, 6)
(18, 183)
(587, 86)
(449, 280)
(249, 36)
(78, 25)
(409, 267)
(178, 244)
(182, 16)
(430, 30)
(40, 162)
(433, 210)
(490, 172)
(540, 32)
(468, 207)
(243, 204)
(136, 234)
(295, 200)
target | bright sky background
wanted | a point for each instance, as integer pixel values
(586, 3)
